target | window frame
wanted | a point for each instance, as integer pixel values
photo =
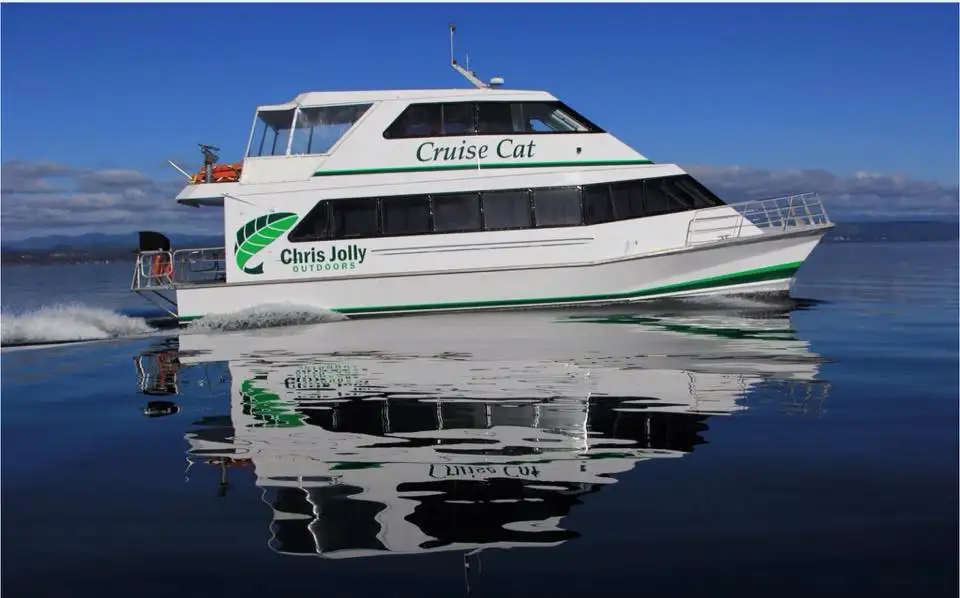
(533, 201)
(399, 198)
(592, 128)
(530, 210)
(355, 200)
(636, 185)
(366, 106)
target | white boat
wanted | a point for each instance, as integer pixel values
(387, 202)
(375, 438)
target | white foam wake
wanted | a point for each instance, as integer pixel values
(265, 316)
(67, 323)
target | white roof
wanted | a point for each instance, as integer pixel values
(329, 98)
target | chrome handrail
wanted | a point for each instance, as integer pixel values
(776, 214)
(167, 269)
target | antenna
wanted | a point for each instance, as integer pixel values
(466, 72)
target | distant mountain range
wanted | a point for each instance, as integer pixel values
(89, 248)
(98, 247)
(100, 240)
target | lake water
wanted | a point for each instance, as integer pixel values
(698, 448)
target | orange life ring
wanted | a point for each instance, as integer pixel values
(220, 173)
(162, 266)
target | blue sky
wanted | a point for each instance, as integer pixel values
(820, 87)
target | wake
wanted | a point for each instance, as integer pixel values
(69, 323)
(264, 316)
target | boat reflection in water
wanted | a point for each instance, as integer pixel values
(415, 435)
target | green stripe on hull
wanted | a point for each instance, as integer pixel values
(768, 274)
(488, 166)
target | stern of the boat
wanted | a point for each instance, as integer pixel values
(161, 271)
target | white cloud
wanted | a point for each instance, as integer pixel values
(45, 198)
(863, 194)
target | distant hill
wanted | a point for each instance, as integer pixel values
(88, 248)
(99, 241)
(893, 231)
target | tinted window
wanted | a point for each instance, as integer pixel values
(506, 209)
(701, 197)
(499, 117)
(627, 200)
(456, 212)
(458, 118)
(405, 215)
(354, 218)
(597, 206)
(487, 118)
(659, 200)
(559, 206)
(418, 120)
(315, 226)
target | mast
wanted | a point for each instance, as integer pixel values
(466, 72)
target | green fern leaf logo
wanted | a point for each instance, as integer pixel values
(255, 235)
(268, 408)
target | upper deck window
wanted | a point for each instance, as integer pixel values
(271, 133)
(319, 129)
(487, 118)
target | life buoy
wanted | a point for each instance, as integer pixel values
(162, 266)
(221, 173)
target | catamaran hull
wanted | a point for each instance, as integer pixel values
(760, 264)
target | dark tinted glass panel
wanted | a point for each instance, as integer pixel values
(405, 215)
(628, 200)
(456, 212)
(506, 209)
(315, 226)
(597, 206)
(558, 206)
(498, 118)
(418, 120)
(488, 118)
(354, 218)
(658, 198)
(458, 118)
(701, 197)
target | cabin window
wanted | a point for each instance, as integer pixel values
(700, 196)
(319, 129)
(506, 210)
(597, 204)
(501, 210)
(456, 212)
(658, 198)
(499, 118)
(552, 117)
(405, 215)
(353, 218)
(315, 226)
(487, 118)
(627, 198)
(557, 206)
(418, 120)
(458, 118)
(433, 120)
(271, 133)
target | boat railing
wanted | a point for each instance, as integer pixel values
(777, 214)
(157, 270)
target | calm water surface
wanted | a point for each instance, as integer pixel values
(682, 448)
